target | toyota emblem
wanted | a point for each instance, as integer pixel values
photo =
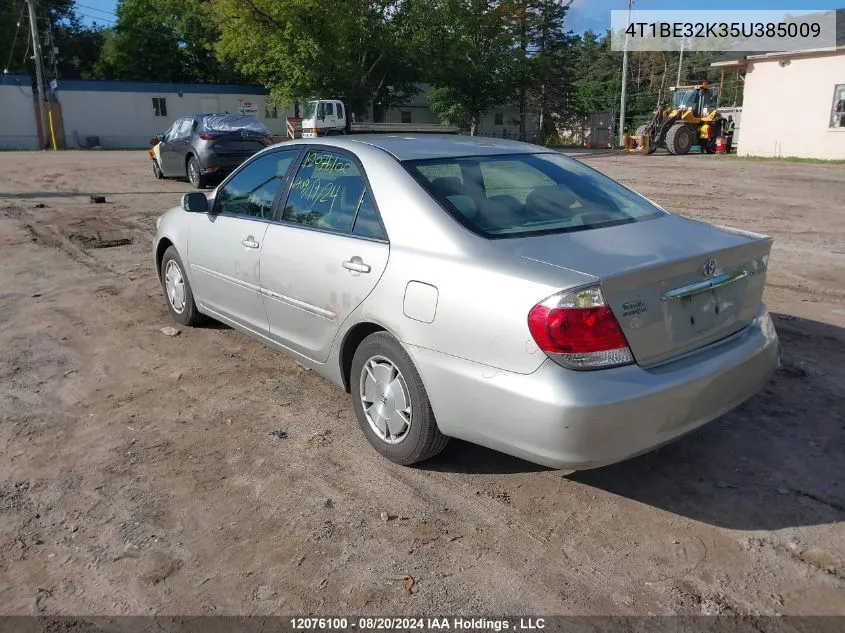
(709, 268)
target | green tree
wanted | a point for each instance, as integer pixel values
(474, 63)
(598, 75)
(555, 54)
(163, 40)
(302, 49)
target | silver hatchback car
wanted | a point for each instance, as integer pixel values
(482, 289)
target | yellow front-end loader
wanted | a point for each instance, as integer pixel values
(692, 119)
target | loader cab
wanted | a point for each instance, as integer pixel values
(703, 99)
(323, 117)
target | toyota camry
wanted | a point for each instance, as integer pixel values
(482, 289)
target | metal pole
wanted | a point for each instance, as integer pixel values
(680, 63)
(39, 70)
(624, 77)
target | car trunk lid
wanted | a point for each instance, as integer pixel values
(674, 284)
(241, 142)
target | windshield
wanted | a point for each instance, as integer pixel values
(686, 98)
(310, 110)
(527, 194)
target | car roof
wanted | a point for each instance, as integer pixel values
(424, 146)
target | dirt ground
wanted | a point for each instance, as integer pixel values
(138, 473)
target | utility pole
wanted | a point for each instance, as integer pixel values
(680, 63)
(39, 70)
(624, 76)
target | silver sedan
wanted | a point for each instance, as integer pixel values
(482, 289)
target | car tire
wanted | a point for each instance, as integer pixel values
(177, 289)
(195, 176)
(382, 369)
(157, 170)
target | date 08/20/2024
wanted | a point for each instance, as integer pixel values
(372, 623)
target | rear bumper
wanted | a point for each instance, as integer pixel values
(222, 164)
(579, 420)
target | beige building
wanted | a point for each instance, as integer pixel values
(793, 104)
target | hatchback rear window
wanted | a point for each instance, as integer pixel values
(234, 123)
(528, 194)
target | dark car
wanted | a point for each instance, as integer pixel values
(207, 147)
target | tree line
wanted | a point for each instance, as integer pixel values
(475, 54)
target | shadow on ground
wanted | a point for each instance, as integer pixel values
(777, 461)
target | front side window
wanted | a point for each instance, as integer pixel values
(326, 192)
(339, 110)
(251, 191)
(329, 109)
(837, 113)
(528, 194)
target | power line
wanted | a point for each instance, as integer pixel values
(85, 6)
(83, 14)
(15, 40)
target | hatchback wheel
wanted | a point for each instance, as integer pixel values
(195, 175)
(180, 298)
(391, 404)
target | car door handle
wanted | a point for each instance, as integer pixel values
(357, 265)
(250, 242)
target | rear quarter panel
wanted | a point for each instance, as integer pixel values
(483, 299)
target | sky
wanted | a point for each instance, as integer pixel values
(583, 15)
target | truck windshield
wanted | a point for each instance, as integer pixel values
(310, 110)
(686, 98)
(515, 195)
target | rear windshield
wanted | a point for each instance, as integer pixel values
(528, 194)
(234, 123)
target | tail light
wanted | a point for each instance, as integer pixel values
(207, 137)
(577, 329)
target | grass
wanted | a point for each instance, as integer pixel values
(788, 159)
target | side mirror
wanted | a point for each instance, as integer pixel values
(195, 202)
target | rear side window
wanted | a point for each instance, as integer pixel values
(185, 129)
(326, 192)
(366, 222)
(528, 194)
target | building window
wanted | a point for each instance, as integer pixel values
(271, 111)
(837, 112)
(406, 116)
(498, 119)
(160, 106)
